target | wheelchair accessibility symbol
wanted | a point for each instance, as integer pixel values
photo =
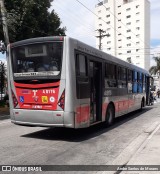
(21, 98)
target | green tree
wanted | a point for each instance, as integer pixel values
(31, 18)
(155, 69)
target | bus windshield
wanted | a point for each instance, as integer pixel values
(39, 59)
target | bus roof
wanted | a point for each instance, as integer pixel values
(36, 40)
(81, 46)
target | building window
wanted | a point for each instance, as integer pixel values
(108, 16)
(129, 60)
(137, 57)
(120, 40)
(120, 47)
(108, 22)
(105, 1)
(128, 9)
(137, 43)
(137, 21)
(129, 51)
(108, 49)
(128, 31)
(129, 37)
(119, 6)
(119, 34)
(108, 42)
(119, 20)
(119, 13)
(108, 29)
(99, 18)
(137, 13)
(119, 27)
(137, 50)
(137, 28)
(128, 45)
(137, 6)
(99, 11)
(107, 9)
(129, 23)
(100, 24)
(137, 35)
(128, 16)
(119, 53)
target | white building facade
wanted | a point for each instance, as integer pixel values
(126, 24)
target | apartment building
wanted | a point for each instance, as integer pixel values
(126, 26)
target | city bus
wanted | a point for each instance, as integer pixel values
(61, 82)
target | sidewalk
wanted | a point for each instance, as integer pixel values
(148, 153)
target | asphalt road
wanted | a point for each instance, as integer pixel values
(96, 145)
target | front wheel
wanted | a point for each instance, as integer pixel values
(110, 115)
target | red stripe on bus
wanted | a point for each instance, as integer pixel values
(123, 105)
(83, 114)
(22, 85)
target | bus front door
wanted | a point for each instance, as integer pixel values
(95, 91)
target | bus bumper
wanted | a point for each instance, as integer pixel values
(43, 118)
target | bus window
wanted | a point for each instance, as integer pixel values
(81, 65)
(144, 82)
(135, 84)
(110, 75)
(45, 58)
(130, 75)
(130, 78)
(140, 87)
(122, 77)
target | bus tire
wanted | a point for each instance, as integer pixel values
(142, 104)
(110, 115)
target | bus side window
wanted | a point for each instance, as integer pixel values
(122, 77)
(144, 83)
(110, 75)
(135, 86)
(82, 80)
(81, 65)
(140, 87)
(130, 79)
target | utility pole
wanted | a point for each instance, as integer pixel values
(4, 22)
(100, 37)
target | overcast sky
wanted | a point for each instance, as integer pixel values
(80, 22)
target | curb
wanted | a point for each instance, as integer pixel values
(134, 147)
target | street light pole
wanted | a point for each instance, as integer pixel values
(4, 22)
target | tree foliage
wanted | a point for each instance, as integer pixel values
(155, 69)
(31, 18)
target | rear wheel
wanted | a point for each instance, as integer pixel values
(110, 115)
(142, 104)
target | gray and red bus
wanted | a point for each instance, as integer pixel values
(62, 82)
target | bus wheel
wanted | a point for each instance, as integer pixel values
(110, 115)
(142, 104)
